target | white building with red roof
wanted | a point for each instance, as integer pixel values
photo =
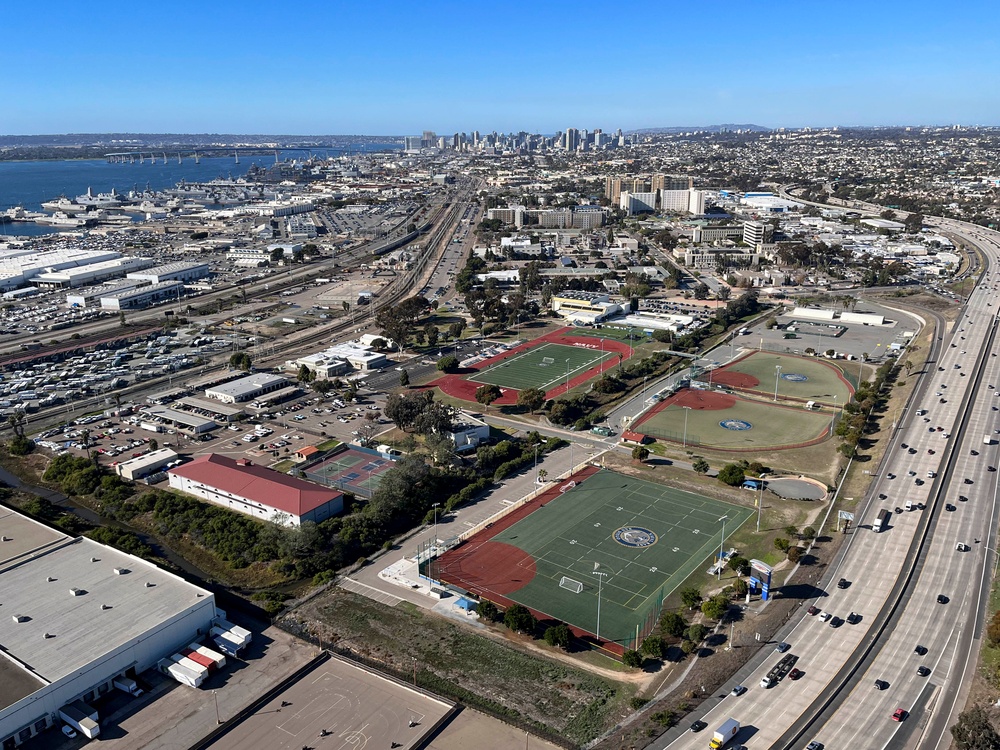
(257, 491)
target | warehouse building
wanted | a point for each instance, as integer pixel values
(172, 272)
(92, 295)
(78, 615)
(247, 388)
(256, 491)
(143, 296)
(92, 273)
(147, 463)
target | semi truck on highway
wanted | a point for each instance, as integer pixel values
(881, 522)
(729, 729)
(778, 672)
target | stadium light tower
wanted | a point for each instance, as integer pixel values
(722, 544)
(600, 578)
(567, 375)
(686, 410)
(777, 374)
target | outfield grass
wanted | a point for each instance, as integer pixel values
(528, 370)
(575, 536)
(800, 378)
(771, 426)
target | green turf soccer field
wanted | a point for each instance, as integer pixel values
(532, 368)
(606, 521)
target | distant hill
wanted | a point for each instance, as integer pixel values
(702, 128)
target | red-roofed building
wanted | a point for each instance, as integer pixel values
(256, 490)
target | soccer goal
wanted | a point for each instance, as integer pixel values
(568, 583)
(548, 360)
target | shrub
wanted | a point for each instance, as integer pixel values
(632, 658)
(696, 633)
(794, 553)
(732, 474)
(488, 611)
(673, 624)
(520, 620)
(558, 635)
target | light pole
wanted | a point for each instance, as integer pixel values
(833, 416)
(536, 464)
(686, 409)
(760, 503)
(722, 544)
(777, 374)
(567, 375)
(600, 578)
(435, 505)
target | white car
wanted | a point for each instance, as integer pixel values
(68, 731)
(824, 616)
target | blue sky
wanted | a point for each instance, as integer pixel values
(341, 67)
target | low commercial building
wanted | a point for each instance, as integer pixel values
(256, 491)
(468, 432)
(77, 616)
(186, 421)
(92, 273)
(247, 388)
(148, 463)
(584, 307)
(92, 295)
(172, 272)
(143, 296)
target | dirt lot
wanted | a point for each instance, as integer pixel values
(484, 670)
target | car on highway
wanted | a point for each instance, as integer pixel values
(795, 674)
(814, 745)
(782, 647)
(923, 671)
(843, 583)
(824, 616)
(738, 690)
(942, 599)
(921, 650)
(899, 714)
(881, 684)
(813, 611)
(698, 725)
(854, 618)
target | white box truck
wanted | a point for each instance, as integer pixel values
(987, 440)
(150, 427)
(81, 717)
(727, 731)
(127, 685)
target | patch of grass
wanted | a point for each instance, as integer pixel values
(328, 445)
(482, 672)
(283, 465)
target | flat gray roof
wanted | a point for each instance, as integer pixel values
(248, 385)
(38, 586)
(213, 407)
(180, 417)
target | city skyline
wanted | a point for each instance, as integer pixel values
(238, 69)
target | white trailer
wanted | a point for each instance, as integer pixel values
(226, 641)
(81, 717)
(191, 664)
(242, 634)
(182, 674)
(215, 656)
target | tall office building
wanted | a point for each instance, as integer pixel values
(429, 139)
(412, 143)
(571, 139)
(696, 202)
(613, 189)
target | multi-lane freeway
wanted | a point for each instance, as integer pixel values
(912, 585)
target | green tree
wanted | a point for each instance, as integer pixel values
(432, 334)
(716, 607)
(241, 361)
(632, 659)
(154, 444)
(488, 611)
(696, 633)
(782, 544)
(794, 554)
(700, 466)
(19, 445)
(640, 453)
(741, 587)
(404, 379)
(448, 363)
(487, 394)
(740, 565)
(993, 631)
(691, 597)
(654, 646)
(809, 533)
(558, 635)
(672, 623)
(974, 731)
(732, 474)
(519, 619)
(531, 399)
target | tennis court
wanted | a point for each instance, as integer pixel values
(543, 366)
(635, 540)
(351, 469)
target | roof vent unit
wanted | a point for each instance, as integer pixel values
(6, 538)
(95, 559)
(77, 592)
(105, 606)
(21, 618)
(49, 579)
(150, 584)
(48, 635)
(121, 571)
